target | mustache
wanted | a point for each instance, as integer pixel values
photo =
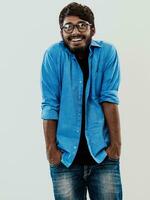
(75, 36)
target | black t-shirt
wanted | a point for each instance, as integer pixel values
(83, 155)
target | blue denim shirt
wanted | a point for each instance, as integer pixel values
(62, 88)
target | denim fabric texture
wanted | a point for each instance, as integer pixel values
(102, 181)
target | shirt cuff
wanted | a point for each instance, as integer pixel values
(49, 114)
(109, 96)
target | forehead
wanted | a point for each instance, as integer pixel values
(72, 19)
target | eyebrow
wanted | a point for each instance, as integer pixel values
(76, 23)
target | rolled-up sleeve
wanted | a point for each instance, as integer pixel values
(49, 88)
(110, 78)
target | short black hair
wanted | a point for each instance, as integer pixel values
(75, 9)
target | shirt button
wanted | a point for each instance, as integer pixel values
(80, 81)
(75, 147)
(77, 131)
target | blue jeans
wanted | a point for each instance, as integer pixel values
(102, 181)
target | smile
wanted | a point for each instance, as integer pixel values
(76, 39)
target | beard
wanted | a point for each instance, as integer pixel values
(76, 49)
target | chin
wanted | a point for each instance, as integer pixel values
(77, 49)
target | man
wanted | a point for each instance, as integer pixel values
(79, 82)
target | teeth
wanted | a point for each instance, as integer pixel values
(76, 39)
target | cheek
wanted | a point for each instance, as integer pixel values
(64, 36)
(89, 34)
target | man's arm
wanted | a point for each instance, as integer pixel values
(109, 100)
(50, 89)
(53, 154)
(112, 118)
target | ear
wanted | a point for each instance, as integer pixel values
(61, 33)
(93, 31)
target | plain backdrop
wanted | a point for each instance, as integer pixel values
(27, 28)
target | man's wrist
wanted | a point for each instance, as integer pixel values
(115, 143)
(51, 146)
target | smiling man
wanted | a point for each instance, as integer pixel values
(79, 82)
(76, 33)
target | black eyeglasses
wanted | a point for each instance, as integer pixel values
(81, 26)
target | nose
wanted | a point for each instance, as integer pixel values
(75, 30)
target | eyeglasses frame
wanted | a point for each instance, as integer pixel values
(75, 26)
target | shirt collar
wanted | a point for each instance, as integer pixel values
(95, 44)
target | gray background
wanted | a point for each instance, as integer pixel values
(27, 29)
